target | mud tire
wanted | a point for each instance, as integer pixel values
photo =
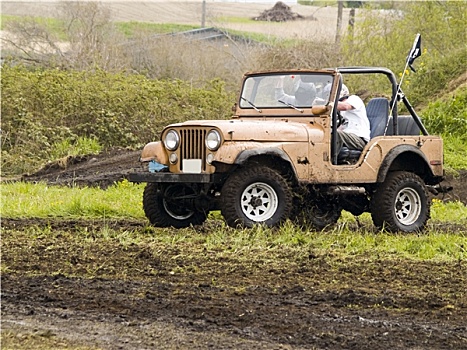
(400, 203)
(317, 215)
(256, 195)
(163, 211)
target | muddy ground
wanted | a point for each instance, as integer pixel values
(109, 295)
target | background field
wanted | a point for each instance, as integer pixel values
(227, 15)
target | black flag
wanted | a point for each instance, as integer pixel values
(415, 52)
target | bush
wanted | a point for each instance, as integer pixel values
(448, 116)
(385, 40)
(44, 107)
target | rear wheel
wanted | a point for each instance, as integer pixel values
(317, 214)
(165, 205)
(401, 203)
(256, 195)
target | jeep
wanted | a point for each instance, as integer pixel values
(275, 160)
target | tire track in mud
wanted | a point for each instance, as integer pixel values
(269, 318)
(183, 297)
(135, 224)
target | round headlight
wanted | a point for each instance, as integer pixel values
(172, 140)
(213, 140)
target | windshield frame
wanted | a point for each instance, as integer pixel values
(276, 90)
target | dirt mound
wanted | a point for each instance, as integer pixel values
(100, 170)
(279, 13)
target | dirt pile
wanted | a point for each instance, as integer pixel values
(279, 13)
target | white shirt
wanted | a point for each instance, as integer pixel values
(356, 118)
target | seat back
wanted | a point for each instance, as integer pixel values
(406, 125)
(377, 111)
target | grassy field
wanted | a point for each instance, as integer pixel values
(444, 239)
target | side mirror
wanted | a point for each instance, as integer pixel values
(320, 109)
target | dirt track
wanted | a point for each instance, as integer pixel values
(157, 296)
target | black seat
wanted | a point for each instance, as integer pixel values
(405, 124)
(377, 111)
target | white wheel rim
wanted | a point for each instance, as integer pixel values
(259, 202)
(407, 207)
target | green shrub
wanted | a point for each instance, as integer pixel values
(385, 40)
(70, 147)
(448, 116)
(45, 107)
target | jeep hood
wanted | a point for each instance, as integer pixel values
(257, 130)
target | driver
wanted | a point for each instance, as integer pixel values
(354, 132)
(305, 93)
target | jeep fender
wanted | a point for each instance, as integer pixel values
(409, 158)
(154, 151)
(272, 152)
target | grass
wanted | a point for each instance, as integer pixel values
(455, 153)
(23, 199)
(56, 26)
(132, 28)
(37, 340)
(129, 29)
(350, 237)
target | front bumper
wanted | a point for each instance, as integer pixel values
(164, 177)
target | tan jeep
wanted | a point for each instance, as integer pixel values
(275, 160)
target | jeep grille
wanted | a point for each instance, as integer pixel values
(192, 145)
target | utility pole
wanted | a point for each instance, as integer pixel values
(203, 15)
(340, 10)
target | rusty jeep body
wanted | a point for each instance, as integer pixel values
(277, 159)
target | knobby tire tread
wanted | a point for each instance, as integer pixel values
(383, 201)
(241, 179)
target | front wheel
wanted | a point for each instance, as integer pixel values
(401, 203)
(166, 205)
(256, 195)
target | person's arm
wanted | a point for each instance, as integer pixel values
(344, 106)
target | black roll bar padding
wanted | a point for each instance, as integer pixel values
(414, 115)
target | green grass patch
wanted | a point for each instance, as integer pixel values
(21, 199)
(231, 19)
(455, 152)
(68, 147)
(350, 237)
(54, 26)
(129, 29)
